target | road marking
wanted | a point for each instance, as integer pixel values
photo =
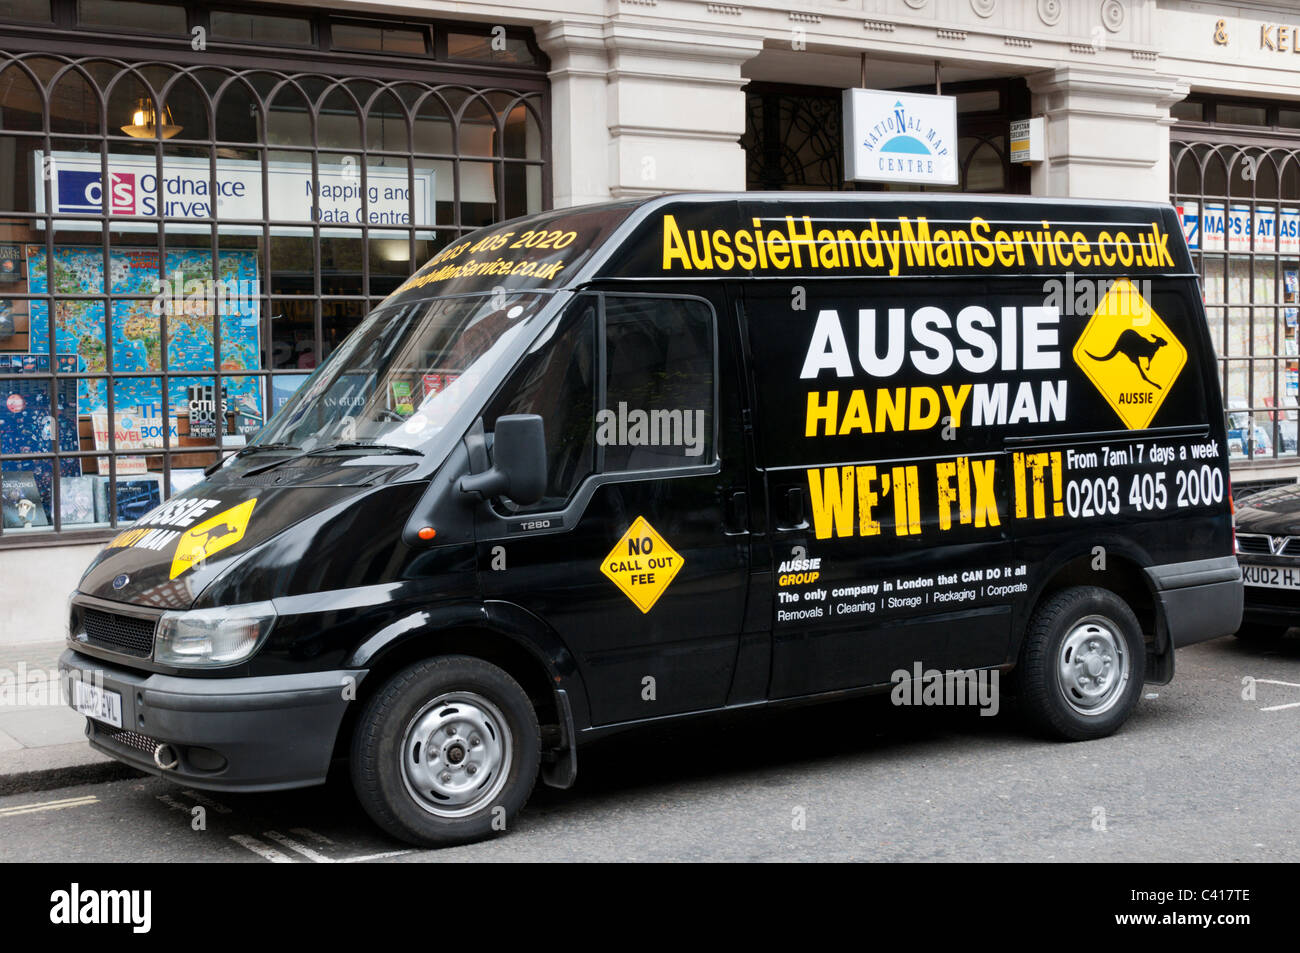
(206, 801)
(1281, 707)
(303, 849)
(48, 805)
(265, 851)
(310, 835)
(1273, 681)
(174, 804)
(365, 857)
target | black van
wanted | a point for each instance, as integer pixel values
(618, 464)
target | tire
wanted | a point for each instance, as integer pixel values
(1260, 634)
(489, 750)
(1081, 665)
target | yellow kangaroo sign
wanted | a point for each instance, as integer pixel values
(1130, 354)
(211, 536)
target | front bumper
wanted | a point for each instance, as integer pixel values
(1199, 600)
(262, 733)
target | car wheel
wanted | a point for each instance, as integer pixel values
(1081, 665)
(446, 752)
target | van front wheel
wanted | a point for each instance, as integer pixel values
(1082, 664)
(446, 752)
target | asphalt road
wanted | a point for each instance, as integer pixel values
(1199, 773)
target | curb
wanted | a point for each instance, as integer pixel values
(99, 772)
(54, 766)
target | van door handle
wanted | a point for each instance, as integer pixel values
(736, 518)
(793, 511)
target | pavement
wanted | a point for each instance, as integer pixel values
(42, 740)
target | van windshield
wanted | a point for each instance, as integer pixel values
(399, 378)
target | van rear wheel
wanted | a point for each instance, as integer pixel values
(446, 752)
(1082, 664)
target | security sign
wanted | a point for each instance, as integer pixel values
(1129, 354)
(642, 564)
(211, 536)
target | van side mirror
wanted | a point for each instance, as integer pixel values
(518, 468)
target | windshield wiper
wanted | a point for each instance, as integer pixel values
(372, 447)
(259, 447)
(252, 448)
(376, 448)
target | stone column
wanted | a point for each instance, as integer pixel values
(1107, 132)
(642, 108)
(579, 122)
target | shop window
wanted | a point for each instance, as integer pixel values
(21, 107)
(1288, 118)
(27, 11)
(386, 129)
(1240, 210)
(260, 28)
(979, 101)
(129, 16)
(494, 47)
(354, 36)
(983, 163)
(1239, 114)
(238, 115)
(1188, 111)
(75, 106)
(142, 336)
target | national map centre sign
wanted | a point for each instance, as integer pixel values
(900, 137)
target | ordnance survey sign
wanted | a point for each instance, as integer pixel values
(187, 191)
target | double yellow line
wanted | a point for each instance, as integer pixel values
(48, 806)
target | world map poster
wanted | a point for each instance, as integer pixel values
(192, 298)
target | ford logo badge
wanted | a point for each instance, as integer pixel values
(121, 581)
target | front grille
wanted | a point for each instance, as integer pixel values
(1253, 545)
(129, 739)
(127, 634)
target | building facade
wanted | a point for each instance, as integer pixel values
(198, 201)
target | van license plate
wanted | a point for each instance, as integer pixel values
(1272, 577)
(97, 702)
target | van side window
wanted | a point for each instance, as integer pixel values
(658, 406)
(558, 382)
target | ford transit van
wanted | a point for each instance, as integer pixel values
(620, 464)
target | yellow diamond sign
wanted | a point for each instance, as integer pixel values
(1129, 354)
(642, 564)
(211, 536)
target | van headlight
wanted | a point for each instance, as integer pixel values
(212, 636)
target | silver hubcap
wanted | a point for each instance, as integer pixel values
(1093, 667)
(456, 754)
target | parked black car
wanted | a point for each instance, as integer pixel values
(1268, 548)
